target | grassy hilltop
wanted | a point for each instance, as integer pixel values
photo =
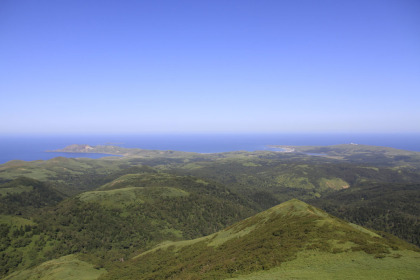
(292, 232)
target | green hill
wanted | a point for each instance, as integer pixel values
(262, 245)
(156, 179)
(64, 268)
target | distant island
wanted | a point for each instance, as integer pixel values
(115, 150)
(77, 148)
(100, 149)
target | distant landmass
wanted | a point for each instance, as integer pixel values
(347, 152)
(33, 148)
(77, 148)
(101, 149)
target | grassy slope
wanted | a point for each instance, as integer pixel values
(314, 265)
(42, 170)
(157, 179)
(68, 175)
(65, 268)
(14, 221)
(271, 239)
(120, 198)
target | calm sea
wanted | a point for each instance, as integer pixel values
(30, 148)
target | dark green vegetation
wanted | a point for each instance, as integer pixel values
(393, 208)
(23, 195)
(104, 212)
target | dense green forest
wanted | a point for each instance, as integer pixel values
(393, 208)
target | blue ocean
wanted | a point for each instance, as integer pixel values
(35, 147)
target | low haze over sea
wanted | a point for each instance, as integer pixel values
(30, 148)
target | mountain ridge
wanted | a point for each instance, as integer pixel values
(259, 243)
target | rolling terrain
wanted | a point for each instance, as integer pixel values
(151, 212)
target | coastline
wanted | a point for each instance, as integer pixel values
(34, 147)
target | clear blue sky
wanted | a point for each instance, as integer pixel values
(73, 66)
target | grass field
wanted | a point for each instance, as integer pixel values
(121, 197)
(351, 265)
(15, 221)
(64, 268)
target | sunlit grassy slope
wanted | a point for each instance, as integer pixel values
(131, 195)
(65, 268)
(145, 180)
(292, 239)
(315, 265)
